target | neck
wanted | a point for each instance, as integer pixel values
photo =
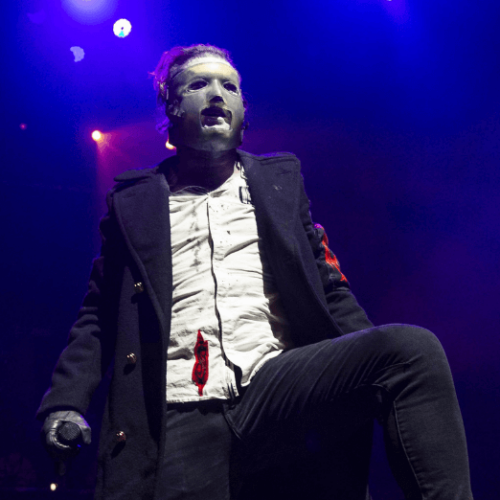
(206, 169)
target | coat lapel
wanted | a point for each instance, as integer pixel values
(276, 190)
(142, 210)
(274, 187)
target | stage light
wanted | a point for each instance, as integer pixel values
(78, 52)
(122, 28)
(53, 486)
(90, 11)
(23, 126)
(169, 146)
(96, 135)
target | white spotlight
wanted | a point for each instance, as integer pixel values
(122, 28)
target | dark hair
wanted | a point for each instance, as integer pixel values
(169, 66)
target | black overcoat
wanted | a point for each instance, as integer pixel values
(125, 316)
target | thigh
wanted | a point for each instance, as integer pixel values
(197, 453)
(332, 388)
(326, 470)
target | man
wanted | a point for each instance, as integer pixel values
(233, 330)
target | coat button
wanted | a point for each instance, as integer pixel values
(131, 359)
(139, 287)
(121, 437)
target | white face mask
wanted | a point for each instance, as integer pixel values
(208, 112)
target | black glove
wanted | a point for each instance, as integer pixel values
(63, 433)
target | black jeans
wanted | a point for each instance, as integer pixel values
(328, 394)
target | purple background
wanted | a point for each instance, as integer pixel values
(393, 108)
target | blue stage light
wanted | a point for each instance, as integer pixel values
(90, 11)
(122, 28)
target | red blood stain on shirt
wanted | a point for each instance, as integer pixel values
(200, 369)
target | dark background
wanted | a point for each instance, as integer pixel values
(393, 108)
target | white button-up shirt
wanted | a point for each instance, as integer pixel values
(226, 312)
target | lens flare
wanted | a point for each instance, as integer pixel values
(78, 53)
(96, 135)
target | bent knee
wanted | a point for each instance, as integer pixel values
(410, 340)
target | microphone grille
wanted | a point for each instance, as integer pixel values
(69, 432)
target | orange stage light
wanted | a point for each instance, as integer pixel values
(169, 146)
(96, 135)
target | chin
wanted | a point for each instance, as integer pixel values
(215, 147)
(216, 142)
(210, 140)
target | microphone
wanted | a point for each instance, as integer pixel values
(69, 434)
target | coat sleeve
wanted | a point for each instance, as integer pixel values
(342, 304)
(90, 347)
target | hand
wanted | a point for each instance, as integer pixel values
(63, 445)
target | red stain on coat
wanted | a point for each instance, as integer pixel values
(330, 257)
(200, 369)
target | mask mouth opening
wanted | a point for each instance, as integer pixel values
(216, 116)
(216, 111)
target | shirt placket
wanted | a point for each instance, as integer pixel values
(220, 241)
